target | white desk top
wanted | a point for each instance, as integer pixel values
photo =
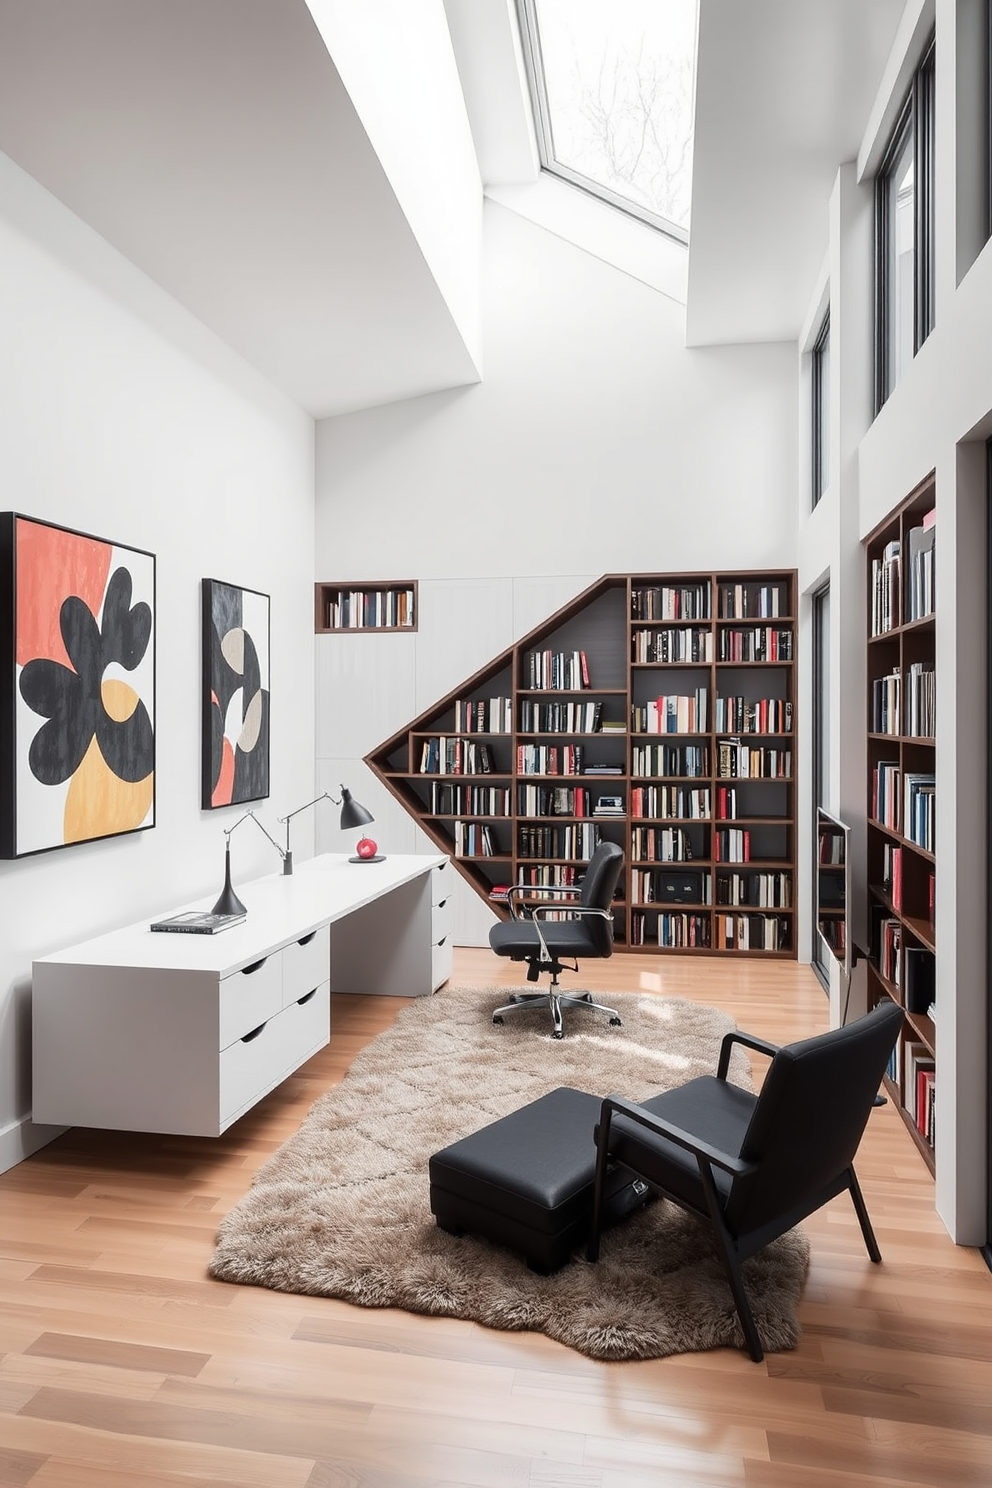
(280, 909)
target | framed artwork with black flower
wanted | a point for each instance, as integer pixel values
(77, 715)
(235, 733)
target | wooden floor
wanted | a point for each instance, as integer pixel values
(123, 1366)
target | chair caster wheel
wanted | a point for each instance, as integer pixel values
(559, 1034)
(615, 1023)
(497, 1020)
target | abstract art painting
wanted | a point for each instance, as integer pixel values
(235, 694)
(77, 717)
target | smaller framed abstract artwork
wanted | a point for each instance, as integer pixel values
(77, 695)
(235, 715)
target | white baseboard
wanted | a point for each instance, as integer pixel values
(21, 1138)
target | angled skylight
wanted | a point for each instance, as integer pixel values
(612, 86)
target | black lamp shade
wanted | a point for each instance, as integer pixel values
(353, 814)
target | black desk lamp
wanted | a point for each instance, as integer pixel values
(229, 903)
(352, 815)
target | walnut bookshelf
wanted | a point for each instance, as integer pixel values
(658, 711)
(901, 796)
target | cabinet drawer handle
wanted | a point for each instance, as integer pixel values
(301, 1000)
(255, 966)
(442, 940)
(441, 905)
(307, 938)
(254, 1033)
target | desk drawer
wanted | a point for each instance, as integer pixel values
(256, 1063)
(249, 997)
(442, 918)
(305, 964)
(442, 881)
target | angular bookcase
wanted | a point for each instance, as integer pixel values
(901, 796)
(657, 711)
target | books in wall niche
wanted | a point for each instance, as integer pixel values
(198, 923)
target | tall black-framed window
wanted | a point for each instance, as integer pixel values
(821, 410)
(904, 246)
(821, 757)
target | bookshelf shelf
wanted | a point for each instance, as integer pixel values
(901, 793)
(606, 639)
(357, 606)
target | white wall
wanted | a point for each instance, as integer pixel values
(123, 417)
(595, 444)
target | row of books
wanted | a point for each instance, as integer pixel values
(674, 929)
(579, 841)
(674, 713)
(920, 702)
(752, 932)
(550, 759)
(735, 760)
(687, 644)
(674, 801)
(373, 609)
(749, 601)
(660, 845)
(920, 1087)
(474, 840)
(760, 643)
(549, 876)
(469, 800)
(484, 716)
(740, 715)
(553, 671)
(688, 760)
(560, 718)
(648, 886)
(886, 781)
(732, 845)
(671, 602)
(552, 800)
(885, 589)
(771, 890)
(920, 809)
(886, 710)
(442, 755)
(920, 586)
(726, 803)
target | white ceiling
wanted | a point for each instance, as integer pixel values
(213, 143)
(784, 89)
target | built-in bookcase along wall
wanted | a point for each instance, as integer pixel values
(901, 796)
(656, 711)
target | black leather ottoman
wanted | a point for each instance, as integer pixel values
(526, 1180)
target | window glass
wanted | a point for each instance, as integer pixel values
(613, 82)
(900, 190)
(821, 410)
(821, 746)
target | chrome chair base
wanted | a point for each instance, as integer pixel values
(555, 1001)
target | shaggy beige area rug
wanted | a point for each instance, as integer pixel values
(342, 1209)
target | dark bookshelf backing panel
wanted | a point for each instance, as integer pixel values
(659, 794)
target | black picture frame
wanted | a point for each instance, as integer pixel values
(236, 656)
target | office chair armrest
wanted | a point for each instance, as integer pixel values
(704, 1152)
(574, 911)
(531, 891)
(760, 1046)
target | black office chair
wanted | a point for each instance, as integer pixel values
(544, 942)
(755, 1165)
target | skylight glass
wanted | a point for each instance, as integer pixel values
(612, 82)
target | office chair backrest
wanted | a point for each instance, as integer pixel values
(810, 1116)
(598, 887)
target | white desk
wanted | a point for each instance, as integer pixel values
(143, 1031)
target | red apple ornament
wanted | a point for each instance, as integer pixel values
(367, 848)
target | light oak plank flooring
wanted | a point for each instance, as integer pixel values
(122, 1365)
